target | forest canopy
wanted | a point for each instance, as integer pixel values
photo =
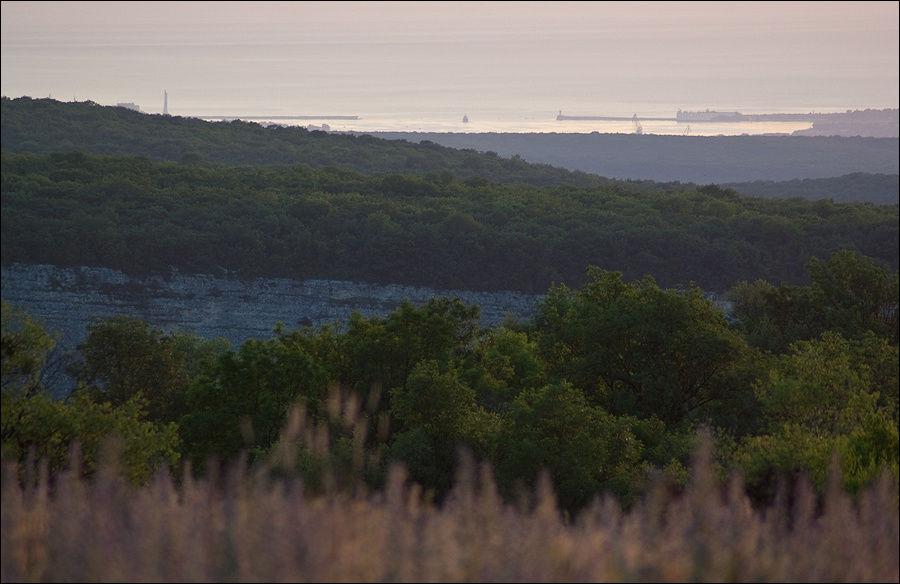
(604, 389)
(296, 221)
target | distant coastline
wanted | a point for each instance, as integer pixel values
(882, 115)
(874, 122)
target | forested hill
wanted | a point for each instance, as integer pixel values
(46, 125)
(864, 169)
(299, 222)
(104, 186)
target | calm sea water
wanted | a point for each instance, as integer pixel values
(533, 122)
(408, 82)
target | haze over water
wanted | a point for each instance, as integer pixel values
(421, 66)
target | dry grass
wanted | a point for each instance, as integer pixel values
(248, 527)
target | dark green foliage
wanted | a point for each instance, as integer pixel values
(502, 364)
(123, 358)
(850, 293)
(37, 427)
(242, 401)
(81, 430)
(823, 400)
(437, 414)
(298, 222)
(375, 354)
(584, 449)
(856, 295)
(26, 347)
(636, 349)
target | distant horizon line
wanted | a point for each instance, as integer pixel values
(278, 117)
(841, 109)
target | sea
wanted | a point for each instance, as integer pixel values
(395, 76)
(650, 120)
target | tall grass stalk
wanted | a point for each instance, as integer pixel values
(245, 525)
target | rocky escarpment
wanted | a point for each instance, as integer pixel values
(66, 299)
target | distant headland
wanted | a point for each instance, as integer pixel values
(878, 123)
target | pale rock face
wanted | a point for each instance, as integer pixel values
(66, 299)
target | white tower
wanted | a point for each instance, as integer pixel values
(165, 102)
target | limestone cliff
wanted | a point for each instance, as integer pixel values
(65, 299)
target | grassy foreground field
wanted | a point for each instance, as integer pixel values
(250, 527)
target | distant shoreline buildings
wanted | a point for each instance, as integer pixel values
(886, 115)
(129, 105)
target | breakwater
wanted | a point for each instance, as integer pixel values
(277, 117)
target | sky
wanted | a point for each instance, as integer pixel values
(380, 58)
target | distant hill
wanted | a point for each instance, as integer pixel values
(688, 159)
(858, 187)
(767, 166)
(44, 126)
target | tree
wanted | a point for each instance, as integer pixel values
(824, 399)
(243, 399)
(124, 357)
(636, 349)
(26, 346)
(502, 364)
(436, 414)
(585, 450)
(855, 295)
(380, 353)
(48, 430)
(850, 294)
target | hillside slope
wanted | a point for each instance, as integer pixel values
(46, 125)
(687, 159)
(294, 221)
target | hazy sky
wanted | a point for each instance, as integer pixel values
(354, 55)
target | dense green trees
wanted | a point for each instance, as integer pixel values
(604, 390)
(242, 400)
(34, 425)
(80, 431)
(123, 357)
(26, 347)
(299, 222)
(850, 293)
(822, 399)
(637, 349)
(584, 449)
